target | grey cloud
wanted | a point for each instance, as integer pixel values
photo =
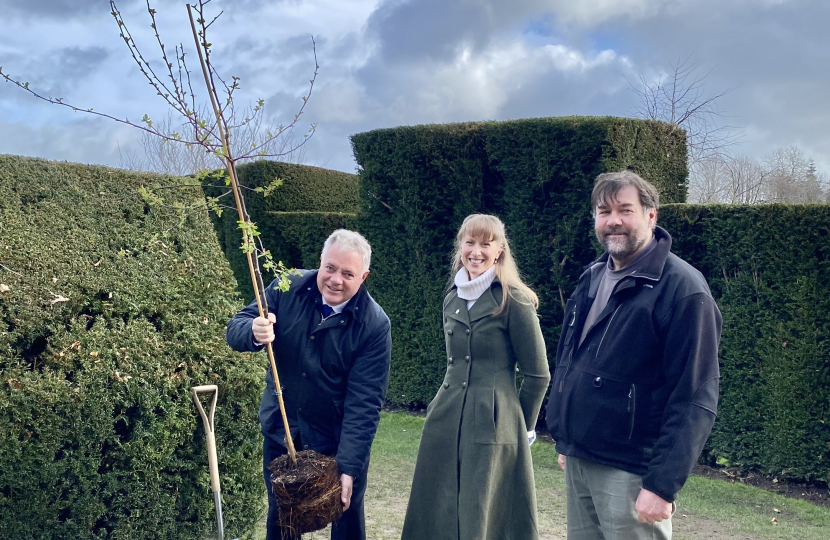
(411, 30)
(554, 93)
(58, 9)
(53, 74)
(774, 60)
(75, 62)
(83, 140)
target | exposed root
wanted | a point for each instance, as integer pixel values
(308, 495)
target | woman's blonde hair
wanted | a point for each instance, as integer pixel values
(491, 228)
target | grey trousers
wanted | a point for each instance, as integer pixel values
(601, 503)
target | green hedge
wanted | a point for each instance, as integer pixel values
(293, 221)
(418, 184)
(112, 313)
(769, 270)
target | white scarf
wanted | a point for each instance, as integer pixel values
(471, 290)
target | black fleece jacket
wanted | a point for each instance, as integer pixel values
(641, 392)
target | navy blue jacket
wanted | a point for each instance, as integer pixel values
(641, 392)
(334, 373)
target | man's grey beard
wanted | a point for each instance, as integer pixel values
(622, 249)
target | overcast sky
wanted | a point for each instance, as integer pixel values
(386, 63)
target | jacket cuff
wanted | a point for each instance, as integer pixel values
(668, 497)
(351, 471)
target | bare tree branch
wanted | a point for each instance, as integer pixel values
(679, 97)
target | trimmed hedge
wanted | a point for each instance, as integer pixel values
(769, 270)
(294, 221)
(112, 313)
(418, 184)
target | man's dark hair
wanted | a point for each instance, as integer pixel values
(607, 185)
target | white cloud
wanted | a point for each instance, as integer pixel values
(567, 59)
(590, 13)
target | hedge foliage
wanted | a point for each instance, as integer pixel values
(293, 221)
(769, 270)
(418, 184)
(109, 313)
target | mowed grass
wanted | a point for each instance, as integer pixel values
(708, 509)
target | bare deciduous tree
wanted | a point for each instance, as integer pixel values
(785, 175)
(164, 156)
(679, 97)
(729, 180)
(793, 177)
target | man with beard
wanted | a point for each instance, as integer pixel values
(635, 389)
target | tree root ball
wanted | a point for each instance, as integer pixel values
(308, 494)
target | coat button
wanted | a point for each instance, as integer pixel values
(598, 382)
(342, 321)
(467, 358)
(303, 375)
(449, 359)
(446, 385)
(449, 332)
(468, 331)
(464, 385)
(312, 337)
(299, 409)
(305, 447)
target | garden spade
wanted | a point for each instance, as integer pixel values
(210, 437)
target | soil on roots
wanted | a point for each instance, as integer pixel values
(308, 493)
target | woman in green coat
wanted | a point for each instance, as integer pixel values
(474, 477)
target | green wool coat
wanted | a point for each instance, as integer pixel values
(473, 476)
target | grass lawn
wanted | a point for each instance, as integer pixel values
(708, 509)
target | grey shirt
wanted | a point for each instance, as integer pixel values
(608, 281)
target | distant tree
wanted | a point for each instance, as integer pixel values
(785, 175)
(793, 177)
(729, 180)
(172, 157)
(679, 97)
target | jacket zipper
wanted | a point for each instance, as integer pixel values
(606, 330)
(570, 357)
(632, 407)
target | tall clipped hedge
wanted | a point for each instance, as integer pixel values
(109, 313)
(293, 221)
(418, 184)
(769, 270)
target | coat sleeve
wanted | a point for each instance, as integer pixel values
(238, 333)
(365, 394)
(690, 363)
(529, 348)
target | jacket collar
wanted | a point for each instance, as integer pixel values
(307, 286)
(652, 266)
(484, 306)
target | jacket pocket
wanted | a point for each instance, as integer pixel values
(568, 331)
(602, 412)
(553, 409)
(496, 422)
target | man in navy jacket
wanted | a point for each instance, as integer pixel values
(332, 344)
(635, 389)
